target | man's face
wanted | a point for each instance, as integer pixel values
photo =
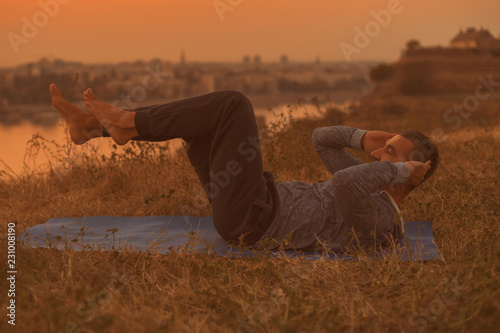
(396, 149)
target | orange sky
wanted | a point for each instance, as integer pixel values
(102, 31)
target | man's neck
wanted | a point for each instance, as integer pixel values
(398, 192)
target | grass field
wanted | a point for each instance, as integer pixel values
(64, 291)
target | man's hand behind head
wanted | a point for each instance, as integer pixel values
(417, 171)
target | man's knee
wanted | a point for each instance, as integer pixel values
(234, 95)
(236, 100)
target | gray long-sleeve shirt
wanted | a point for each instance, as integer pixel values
(350, 200)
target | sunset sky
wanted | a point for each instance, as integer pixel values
(110, 31)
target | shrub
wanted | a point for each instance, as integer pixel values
(382, 72)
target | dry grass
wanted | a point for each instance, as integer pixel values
(64, 291)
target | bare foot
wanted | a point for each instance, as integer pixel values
(82, 125)
(120, 124)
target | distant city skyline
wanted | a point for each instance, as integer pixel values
(243, 60)
(226, 31)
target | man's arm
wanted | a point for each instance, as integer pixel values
(371, 220)
(356, 183)
(353, 181)
(329, 142)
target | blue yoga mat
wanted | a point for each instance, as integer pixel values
(164, 234)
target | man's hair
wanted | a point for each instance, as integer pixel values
(424, 151)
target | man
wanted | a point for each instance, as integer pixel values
(357, 206)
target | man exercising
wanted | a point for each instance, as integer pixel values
(358, 205)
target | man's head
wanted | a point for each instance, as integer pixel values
(409, 145)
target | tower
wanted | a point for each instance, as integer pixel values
(183, 58)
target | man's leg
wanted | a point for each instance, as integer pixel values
(198, 151)
(223, 146)
(82, 125)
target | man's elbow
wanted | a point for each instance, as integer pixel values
(315, 138)
(319, 137)
(339, 182)
(345, 185)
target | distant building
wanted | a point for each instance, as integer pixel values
(207, 84)
(473, 38)
(473, 42)
(183, 58)
(129, 83)
(449, 69)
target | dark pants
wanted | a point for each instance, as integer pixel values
(223, 146)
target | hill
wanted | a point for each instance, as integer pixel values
(65, 291)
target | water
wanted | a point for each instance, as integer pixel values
(14, 139)
(15, 146)
(19, 154)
